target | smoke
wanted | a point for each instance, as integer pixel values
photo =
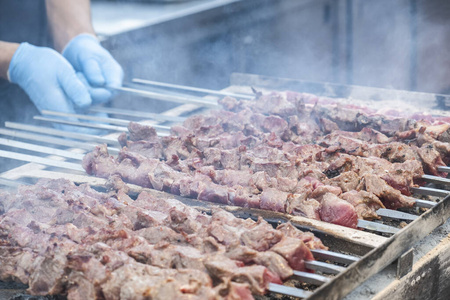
(390, 44)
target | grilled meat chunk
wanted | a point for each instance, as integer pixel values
(284, 152)
(59, 238)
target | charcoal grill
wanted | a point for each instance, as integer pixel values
(355, 255)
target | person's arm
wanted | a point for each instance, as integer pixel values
(51, 80)
(74, 36)
(67, 19)
(6, 53)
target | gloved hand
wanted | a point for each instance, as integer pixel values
(87, 56)
(48, 79)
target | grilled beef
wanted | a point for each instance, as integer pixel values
(59, 238)
(285, 152)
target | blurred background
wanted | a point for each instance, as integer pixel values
(402, 44)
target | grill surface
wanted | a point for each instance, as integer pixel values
(378, 251)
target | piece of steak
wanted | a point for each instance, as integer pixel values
(390, 197)
(337, 211)
(365, 203)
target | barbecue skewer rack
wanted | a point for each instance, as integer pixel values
(356, 254)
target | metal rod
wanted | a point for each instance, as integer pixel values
(100, 119)
(47, 139)
(170, 98)
(66, 134)
(41, 149)
(436, 179)
(334, 256)
(289, 291)
(443, 169)
(192, 89)
(373, 226)
(11, 183)
(323, 267)
(311, 278)
(41, 160)
(53, 140)
(90, 125)
(424, 203)
(429, 191)
(77, 123)
(137, 114)
(395, 214)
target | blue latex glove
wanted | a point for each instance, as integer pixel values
(48, 79)
(97, 65)
(94, 92)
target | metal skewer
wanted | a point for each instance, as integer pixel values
(100, 119)
(311, 278)
(78, 123)
(429, 191)
(170, 98)
(436, 179)
(89, 125)
(41, 149)
(373, 226)
(41, 160)
(66, 134)
(53, 140)
(443, 169)
(323, 267)
(137, 114)
(289, 291)
(192, 89)
(424, 203)
(11, 183)
(334, 256)
(395, 214)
